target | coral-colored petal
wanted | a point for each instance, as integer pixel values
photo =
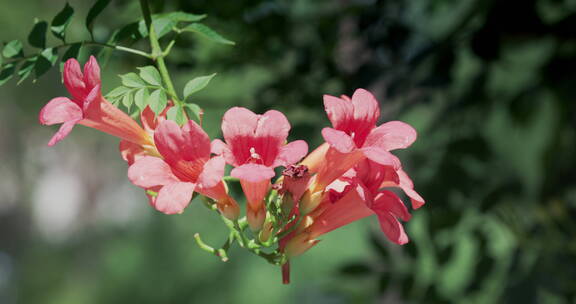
(408, 187)
(381, 156)
(391, 135)
(91, 73)
(150, 171)
(62, 132)
(253, 173)
(338, 140)
(273, 124)
(315, 159)
(218, 147)
(291, 153)
(392, 228)
(59, 110)
(212, 173)
(188, 143)
(238, 122)
(130, 151)
(73, 79)
(387, 201)
(366, 107)
(339, 111)
(174, 197)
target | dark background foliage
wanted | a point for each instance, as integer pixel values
(489, 85)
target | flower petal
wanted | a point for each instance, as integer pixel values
(238, 122)
(73, 79)
(382, 157)
(366, 107)
(339, 111)
(218, 147)
(408, 187)
(338, 140)
(130, 151)
(253, 173)
(387, 201)
(392, 228)
(59, 110)
(189, 143)
(212, 173)
(150, 171)
(174, 197)
(273, 124)
(291, 153)
(62, 132)
(91, 73)
(391, 135)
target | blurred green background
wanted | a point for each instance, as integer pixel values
(489, 85)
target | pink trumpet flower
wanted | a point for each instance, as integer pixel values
(255, 145)
(185, 167)
(356, 195)
(150, 121)
(355, 135)
(87, 107)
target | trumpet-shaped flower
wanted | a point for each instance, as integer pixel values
(356, 195)
(150, 121)
(87, 107)
(255, 145)
(185, 167)
(354, 135)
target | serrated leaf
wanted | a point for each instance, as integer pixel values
(26, 69)
(158, 101)
(132, 80)
(151, 75)
(61, 22)
(94, 12)
(182, 17)
(196, 85)
(207, 32)
(45, 61)
(118, 92)
(37, 37)
(176, 114)
(7, 73)
(141, 98)
(193, 110)
(12, 49)
(127, 101)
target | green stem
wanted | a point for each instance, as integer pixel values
(157, 53)
(94, 43)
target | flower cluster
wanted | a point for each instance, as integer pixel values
(343, 180)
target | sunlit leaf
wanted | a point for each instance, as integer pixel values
(117, 92)
(127, 101)
(151, 75)
(37, 37)
(12, 49)
(176, 114)
(207, 32)
(132, 80)
(197, 84)
(194, 111)
(158, 101)
(61, 22)
(141, 98)
(94, 12)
